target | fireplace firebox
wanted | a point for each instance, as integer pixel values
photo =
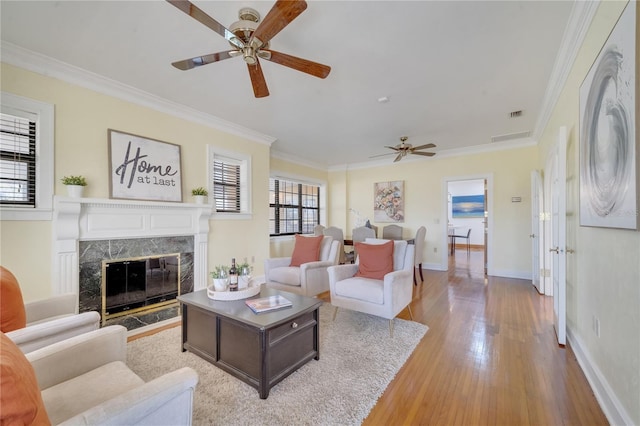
(139, 284)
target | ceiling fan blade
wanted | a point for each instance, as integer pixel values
(426, 154)
(398, 158)
(313, 68)
(429, 145)
(198, 61)
(395, 148)
(382, 155)
(197, 14)
(280, 15)
(258, 82)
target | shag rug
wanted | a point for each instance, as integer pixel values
(358, 360)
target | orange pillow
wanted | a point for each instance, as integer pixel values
(12, 314)
(374, 260)
(306, 249)
(20, 396)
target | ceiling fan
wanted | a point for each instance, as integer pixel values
(250, 38)
(404, 148)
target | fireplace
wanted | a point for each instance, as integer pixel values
(139, 284)
(88, 231)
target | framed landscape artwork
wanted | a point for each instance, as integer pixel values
(388, 203)
(143, 168)
(608, 133)
(467, 206)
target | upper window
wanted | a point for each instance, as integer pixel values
(26, 159)
(294, 207)
(230, 183)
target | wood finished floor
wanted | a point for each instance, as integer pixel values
(490, 357)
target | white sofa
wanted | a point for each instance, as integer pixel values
(308, 279)
(85, 381)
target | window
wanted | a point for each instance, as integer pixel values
(294, 207)
(230, 183)
(26, 159)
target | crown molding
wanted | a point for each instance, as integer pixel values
(297, 160)
(580, 19)
(47, 66)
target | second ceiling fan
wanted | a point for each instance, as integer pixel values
(404, 148)
(249, 38)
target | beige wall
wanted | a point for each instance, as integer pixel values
(603, 275)
(82, 118)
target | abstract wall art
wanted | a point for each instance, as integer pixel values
(466, 206)
(388, 202)
(608, 134)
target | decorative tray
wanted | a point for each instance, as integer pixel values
(252, 290)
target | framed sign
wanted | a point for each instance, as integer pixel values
(388, 201)
(144, 169)
(608, 131)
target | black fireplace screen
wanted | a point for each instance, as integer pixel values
(140, 283)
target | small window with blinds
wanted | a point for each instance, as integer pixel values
(294, 207)
(17, 161)
(226, 186)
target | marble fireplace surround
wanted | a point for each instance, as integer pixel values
(97, 219)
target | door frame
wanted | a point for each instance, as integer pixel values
(444, 242)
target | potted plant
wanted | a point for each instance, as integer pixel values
(75, 185)
(244, 272)
(200, 194)
(220, 277)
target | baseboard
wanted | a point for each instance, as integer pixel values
(609, 403)
(522, 275)
(434, 267)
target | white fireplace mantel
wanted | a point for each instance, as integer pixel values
(82, 219)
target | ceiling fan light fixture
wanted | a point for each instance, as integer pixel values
(249, 55)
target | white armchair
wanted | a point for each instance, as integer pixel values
(308, 279)
(85, 381)
(47, 320)
(384, 298)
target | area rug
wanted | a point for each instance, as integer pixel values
(358, 360)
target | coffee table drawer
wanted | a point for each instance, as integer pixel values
(292, 326)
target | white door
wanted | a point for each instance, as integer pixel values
(537, 215)
(558, 237)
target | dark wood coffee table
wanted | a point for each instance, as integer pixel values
(259, 349)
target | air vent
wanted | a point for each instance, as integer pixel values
(514, 114)
(511, 136)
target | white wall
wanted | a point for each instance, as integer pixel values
(461, 224)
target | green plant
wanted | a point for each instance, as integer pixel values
(199, 191)
(74, 180)
(220, 271)
(244, 264)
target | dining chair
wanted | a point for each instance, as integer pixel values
(455, 236)
(338, 235)
(392, 232)
(318, 230)
(418, 253)
(360, 234)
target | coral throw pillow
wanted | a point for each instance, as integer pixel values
(374, 260)
(306, 249)
(12, 315)
(20, 396)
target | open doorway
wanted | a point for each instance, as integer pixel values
(468, 223)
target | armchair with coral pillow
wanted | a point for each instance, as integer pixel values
(379, 283)
(305, 272)
(40, 323)
(84, 380)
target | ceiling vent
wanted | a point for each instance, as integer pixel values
(514, 114)
(511, 136)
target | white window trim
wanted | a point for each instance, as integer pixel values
(304, 180)
(246, 184)
(44, 115)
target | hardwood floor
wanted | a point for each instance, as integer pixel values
(490, 357)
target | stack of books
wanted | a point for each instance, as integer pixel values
(268, 303)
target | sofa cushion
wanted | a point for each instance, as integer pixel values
(11, 304)
(375, 260)
(20, 396)
(399, 250)
(306, 249)
(364, 289)
(70, 398)
(289, 275)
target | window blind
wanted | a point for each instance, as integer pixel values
(17, 160)
(226, 186)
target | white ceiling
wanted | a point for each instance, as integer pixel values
(452, 70)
